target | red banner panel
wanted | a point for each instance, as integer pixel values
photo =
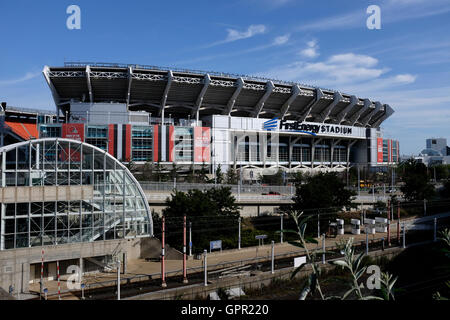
(206, 144)
(202, 147)
(380, 150)
(198, 142)
(171, 143)
(127, 142)
(155, 143)
(74, 131)
(111, 141)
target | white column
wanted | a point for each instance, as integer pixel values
(273, 258)
(205, 267)
(3, 206)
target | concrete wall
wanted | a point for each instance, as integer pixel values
(15, 264)
(245, 211)
(45, 193)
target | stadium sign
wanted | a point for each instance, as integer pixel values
(314, 129)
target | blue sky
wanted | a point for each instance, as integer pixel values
(325, 43)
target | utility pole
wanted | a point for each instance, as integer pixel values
(59, 283)
(435, 230)
(404, 236)
(398, 223)
(205, 267)
(118, 279)
(323, 248)
(367, 240)
(42, 275)
(389, 223)
(359, 191)
(184, 251)
(163, 266)
(318, 226)
(281, 233)
(273, 258)
(190, 239)
(239, 234)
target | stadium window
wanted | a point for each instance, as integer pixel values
(269, 145)
(247, 148)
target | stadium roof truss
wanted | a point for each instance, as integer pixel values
(198, 93)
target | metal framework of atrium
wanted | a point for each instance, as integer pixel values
(55, 191)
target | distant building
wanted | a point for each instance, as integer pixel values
(436, 152)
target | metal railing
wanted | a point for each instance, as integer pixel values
(235, 188)
(192, 71)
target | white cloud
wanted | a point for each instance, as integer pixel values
(311, 51)
(235, 35)
(281, 40)
(351, 59)
(251, 31)
(26, 77)
(405, 78)
(336, 71)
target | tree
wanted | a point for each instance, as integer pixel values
(232, 176)
(273, 179)
(321, 191)
(147, 171)
(159, 175)
(202, 177)
(191, 175)
(219, 175)
(445, 192)
(416, 181)
(173, 172)
(213, 214)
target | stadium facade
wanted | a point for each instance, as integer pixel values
(67, 198)
(192, 118)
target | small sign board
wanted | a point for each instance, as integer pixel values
(261, 236)
(215, 245)
(299, 261)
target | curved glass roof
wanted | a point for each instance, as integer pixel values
(66, 191)
(430, 152)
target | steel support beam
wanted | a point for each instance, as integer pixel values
(387, 113)
(55, 94)
(356, 116)
(295, 92)
(130, 79)
(337, 97)
(198, 104)
(166, 92)
(240, 84)
(260, 105)
(341, 116)
(313, 150)
(334, 143)
(88, 81)
(311, 105)
(366, 119)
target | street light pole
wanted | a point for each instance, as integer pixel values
(190, 239)
(239, 234)
(184, 250)
(118, 279)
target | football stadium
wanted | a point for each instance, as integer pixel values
(192, 118)
(65, 187)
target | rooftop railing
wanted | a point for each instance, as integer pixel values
(182, 70)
